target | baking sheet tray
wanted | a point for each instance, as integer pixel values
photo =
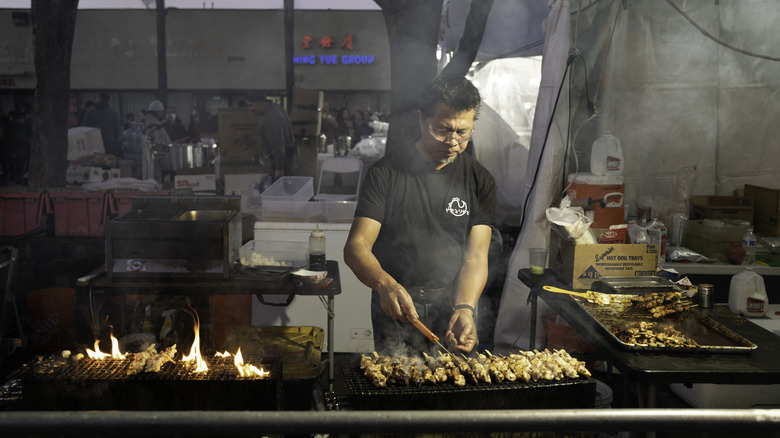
(632, 285)
(711, 336)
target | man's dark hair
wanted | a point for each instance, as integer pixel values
(457, 92)
(104, 97)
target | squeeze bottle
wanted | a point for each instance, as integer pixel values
(317, 250)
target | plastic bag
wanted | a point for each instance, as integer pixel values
(573, 220)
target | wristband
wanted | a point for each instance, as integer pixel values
(464, 306)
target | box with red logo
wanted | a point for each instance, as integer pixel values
(580, 265)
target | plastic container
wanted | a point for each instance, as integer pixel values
(79, 213)
(52, 313)
(606, 156)
(747, 294)
(290, 188)
(288, 200)
(317, 250)
(749, 244)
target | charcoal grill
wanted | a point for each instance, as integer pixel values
(55, 383)
(561, 394)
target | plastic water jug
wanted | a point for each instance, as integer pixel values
(747, 294)
(606, 156)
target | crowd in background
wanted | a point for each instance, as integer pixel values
(122, 138)
(15, 139)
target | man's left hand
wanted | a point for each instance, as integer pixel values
(462, 333)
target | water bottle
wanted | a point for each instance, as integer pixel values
(749, 245)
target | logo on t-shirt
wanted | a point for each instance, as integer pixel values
(457, 207)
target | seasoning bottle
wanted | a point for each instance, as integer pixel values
(317, 250)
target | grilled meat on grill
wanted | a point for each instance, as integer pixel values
(642, 333)
(484, 369)
(660, 304)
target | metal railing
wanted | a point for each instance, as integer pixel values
(759, 422)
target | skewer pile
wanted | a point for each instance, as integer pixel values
(643, 333)
(523, 366)
(662, 303)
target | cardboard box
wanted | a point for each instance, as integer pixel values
(76, 174)
(83, 140)
(766, 209)
(198, 183)
(712, 237)
(722, 207)
(580, 265)
(239, 139)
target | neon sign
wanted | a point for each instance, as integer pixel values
(329, 43)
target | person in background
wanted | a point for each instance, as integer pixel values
(280, 154)
(129, 121)
(153, 126)
(361, 127)
(88, 105)
(345, 123)
(174, 126)
(422, 228)
(101, 116)
(17, 136)
(195, 128)
(329, 123)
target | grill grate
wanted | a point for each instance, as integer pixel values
(566, 393)
(55, 383)
(58, 368)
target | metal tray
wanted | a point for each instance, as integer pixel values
(628, 285)
(712, 336)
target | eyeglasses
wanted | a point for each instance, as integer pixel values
(445, 135)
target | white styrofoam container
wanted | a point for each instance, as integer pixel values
(340, 211)
(291, 211)
(83, 140)
(76, 174)
(719, 396)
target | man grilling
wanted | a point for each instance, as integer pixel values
(422, 228)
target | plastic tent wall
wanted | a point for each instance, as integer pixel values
(689, 86)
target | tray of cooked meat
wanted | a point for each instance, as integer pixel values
(657, 321)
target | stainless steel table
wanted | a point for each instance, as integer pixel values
(650, 369)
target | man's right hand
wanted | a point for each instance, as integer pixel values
(397, 303)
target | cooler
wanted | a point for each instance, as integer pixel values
(606, 193)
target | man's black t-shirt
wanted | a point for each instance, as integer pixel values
(426, 214)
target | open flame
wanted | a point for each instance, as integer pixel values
(247, 370)
(99, 355)
(244, 370)
(200, 364)
(115, 349)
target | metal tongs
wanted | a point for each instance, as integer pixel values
(428, 333)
